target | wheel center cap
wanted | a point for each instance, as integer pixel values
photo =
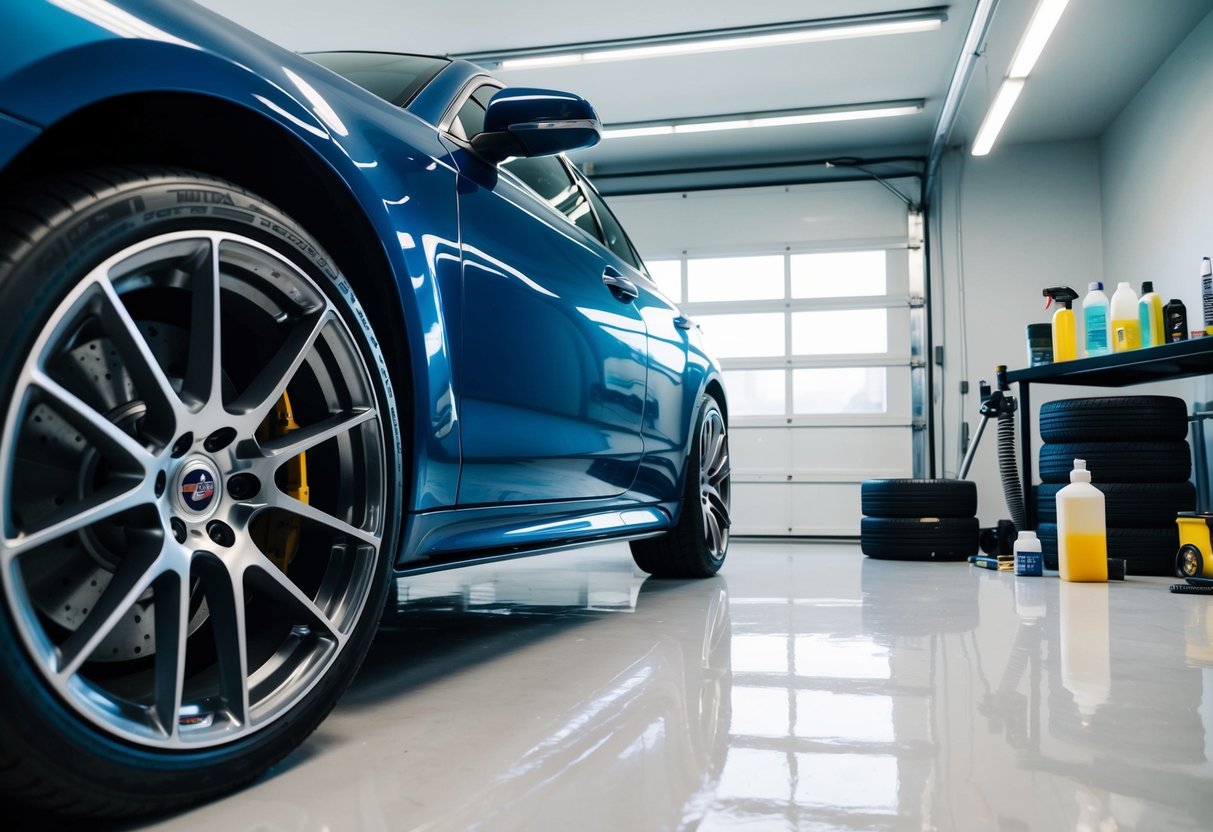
(197, 487)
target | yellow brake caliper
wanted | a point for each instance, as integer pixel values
(277, 532)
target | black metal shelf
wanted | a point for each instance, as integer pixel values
(1182, 359)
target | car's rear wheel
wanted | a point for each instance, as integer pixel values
(199, 485)
(697, 545)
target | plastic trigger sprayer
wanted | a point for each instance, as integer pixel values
(1065, 333)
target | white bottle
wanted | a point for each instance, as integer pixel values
(1082, 536)
(1028, 557)
(1095, 320)
(1125, 326)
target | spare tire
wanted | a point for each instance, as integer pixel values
(1118, 461)
(1146, 551)
(918, 498)
(1114, 419)
(1131, 505)
(922, 538)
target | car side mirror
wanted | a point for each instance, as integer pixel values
(534, 122)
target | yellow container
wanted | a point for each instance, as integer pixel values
(1065, 335)
(1082, 536)
(1195, 556)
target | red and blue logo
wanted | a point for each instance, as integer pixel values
(197, 489)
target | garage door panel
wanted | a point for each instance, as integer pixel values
(774, 508)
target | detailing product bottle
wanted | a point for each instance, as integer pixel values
(1095, 320)
(1176, 316)
(1065, 335)
(1125, 327)
(1028, 559)
(1149, 316)
(1082, 536)
(1206, 293)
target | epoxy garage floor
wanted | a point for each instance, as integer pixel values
(807, 687)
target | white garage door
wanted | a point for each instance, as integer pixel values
(810, 296)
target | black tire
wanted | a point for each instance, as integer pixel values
(918, 498)
(1114, 419)
(62, 244)
(1118, 461)
(696, 546)
(925, 538)
(1128, 505)
(1145, 551)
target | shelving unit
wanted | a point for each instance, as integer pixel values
(1182, 359)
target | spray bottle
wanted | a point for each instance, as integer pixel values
(1065, 333)
(1149, 312)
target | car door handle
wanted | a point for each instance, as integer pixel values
(683, 322)
(619, 285)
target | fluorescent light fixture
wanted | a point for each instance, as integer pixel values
(1044, 20)
(1040, 27)
(714, 40)
(996, 116)
(783, 118)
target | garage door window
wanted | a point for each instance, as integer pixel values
(801, 334)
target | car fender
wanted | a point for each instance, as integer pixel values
(390, 162)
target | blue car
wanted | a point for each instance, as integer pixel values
(279, 329)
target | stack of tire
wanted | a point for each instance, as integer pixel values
(1137, 451)
(918, 519)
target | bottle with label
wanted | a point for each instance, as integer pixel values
(1176, 321)
(1150, 317)
(1028, 557)
(1065, 332)
(1125, 328)
(1095, 320)
(1206, 293)
(1082, 535)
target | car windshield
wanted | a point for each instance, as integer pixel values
(394, 78)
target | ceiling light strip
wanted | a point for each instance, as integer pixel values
(713, 40)
(1043, 22)
(785, 118)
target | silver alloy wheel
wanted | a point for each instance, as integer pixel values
(714, 477)
(148, 482)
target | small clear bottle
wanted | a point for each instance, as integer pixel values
(1082, 535)
(1028, 557)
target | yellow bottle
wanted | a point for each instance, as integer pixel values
(1065, 331)
(1125, 326)
(1150, 317)
(1082, 537)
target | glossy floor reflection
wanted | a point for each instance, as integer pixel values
(807, 688)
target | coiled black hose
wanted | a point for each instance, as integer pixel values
(1008, 469)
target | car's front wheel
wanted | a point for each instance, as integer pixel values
(199, 487)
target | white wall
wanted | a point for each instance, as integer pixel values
(1157, 169)
(1029, 218)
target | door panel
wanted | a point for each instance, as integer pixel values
(553, 367)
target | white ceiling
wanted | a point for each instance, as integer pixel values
(1102, 52)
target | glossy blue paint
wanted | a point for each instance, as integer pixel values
(540, 408)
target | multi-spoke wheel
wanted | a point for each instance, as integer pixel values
(198, 481)
(696, 546)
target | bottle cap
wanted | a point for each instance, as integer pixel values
(1080, 472)
(1147, 286)
(1206, 268)
(1124, 284)
(1026, 535)
(1095, 286)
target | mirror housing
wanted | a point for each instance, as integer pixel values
(534, 122)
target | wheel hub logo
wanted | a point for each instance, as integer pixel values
(197, 490)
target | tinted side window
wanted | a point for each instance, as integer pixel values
(394, 78)
(470, 119)
(616, 240)
(546, 176)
